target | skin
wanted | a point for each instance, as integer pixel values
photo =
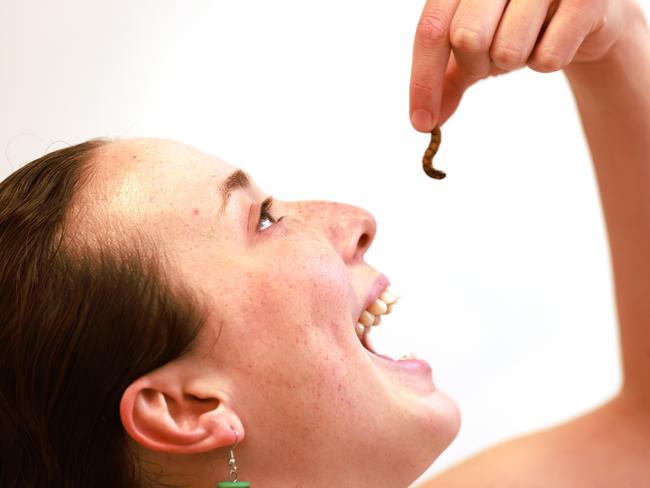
(603, 48)
(278, 360)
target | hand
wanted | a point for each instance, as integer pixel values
(458, 42)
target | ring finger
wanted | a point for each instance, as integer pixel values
(517, 33)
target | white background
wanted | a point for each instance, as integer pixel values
(503, 266)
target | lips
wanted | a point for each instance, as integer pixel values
(380, 284)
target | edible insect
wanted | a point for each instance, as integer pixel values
(427, 159)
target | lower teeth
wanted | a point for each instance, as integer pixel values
(408, 356)
(360, 328)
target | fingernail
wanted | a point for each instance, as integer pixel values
(422, 120)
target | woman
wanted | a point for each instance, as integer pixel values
(158, 309)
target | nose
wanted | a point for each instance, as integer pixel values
(350, 229)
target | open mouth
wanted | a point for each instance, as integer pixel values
(410, 370)
(371, 318)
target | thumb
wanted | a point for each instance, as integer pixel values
(454, 85)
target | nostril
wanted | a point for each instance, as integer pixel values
(363, 241)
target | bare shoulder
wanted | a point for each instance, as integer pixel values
(607, 447)
(508, 465)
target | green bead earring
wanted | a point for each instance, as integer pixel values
(232, 470)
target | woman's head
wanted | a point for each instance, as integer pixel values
(77, 326)
(276, 357)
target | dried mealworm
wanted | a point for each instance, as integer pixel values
(427, 160)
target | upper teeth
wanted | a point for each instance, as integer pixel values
(381, 306)
(388, 297)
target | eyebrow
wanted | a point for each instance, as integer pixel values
(237, 180)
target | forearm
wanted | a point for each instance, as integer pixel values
(613, 98)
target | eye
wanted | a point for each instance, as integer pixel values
(266, 219)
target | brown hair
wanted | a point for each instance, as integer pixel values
(77, 326)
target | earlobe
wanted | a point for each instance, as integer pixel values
(158, 413)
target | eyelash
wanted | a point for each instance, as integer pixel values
(265, 214)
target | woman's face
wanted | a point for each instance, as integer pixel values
(285, 298)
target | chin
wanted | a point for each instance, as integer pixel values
(437, 427)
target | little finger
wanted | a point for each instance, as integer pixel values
(563, 37)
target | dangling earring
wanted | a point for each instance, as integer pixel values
(232, 470)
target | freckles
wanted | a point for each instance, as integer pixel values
(328, 285)
(195, 212)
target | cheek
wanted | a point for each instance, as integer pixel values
(298, 308)
(301, 287)
(294, 318)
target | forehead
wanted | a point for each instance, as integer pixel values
(151, 185)
(156, 160)
(158, 172)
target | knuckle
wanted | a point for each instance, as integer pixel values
(422, 87)
(506, 56)
(432, 27)
(469, 40)
(546, 61)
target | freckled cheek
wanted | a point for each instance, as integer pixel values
(290, 325)
(318, 278)
(295, 362)
(294, 366)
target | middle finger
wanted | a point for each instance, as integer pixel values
(517, 33)
(471, 33)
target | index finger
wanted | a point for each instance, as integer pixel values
(431, 51)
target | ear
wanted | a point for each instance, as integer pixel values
(167, 410)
